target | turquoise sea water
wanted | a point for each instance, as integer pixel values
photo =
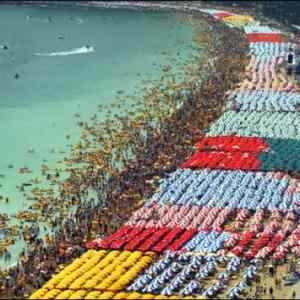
(59, 77)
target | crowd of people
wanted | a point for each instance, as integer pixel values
(121, 167)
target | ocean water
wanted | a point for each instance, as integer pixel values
(59, 76)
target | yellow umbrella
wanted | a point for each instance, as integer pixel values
(238, 20)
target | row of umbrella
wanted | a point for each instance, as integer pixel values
(206, 242)
(256, 28)
(156, 239)
(225, 160)
(188, 276)
(182, 274)
(263, 101)
(262, 75)
(257, 124)
(265, 50)
(270, 241)
(196, 217)
(232, 189)
(245, 153)
(273, 37)
(232, 143)
(203, 218)
(239, 20)
(230, 19)
(274, 235)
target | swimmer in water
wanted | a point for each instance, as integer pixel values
(16, 76)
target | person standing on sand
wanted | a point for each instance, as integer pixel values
(290, 61)
(298, 73)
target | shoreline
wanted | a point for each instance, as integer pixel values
(188, 111)
(178, 6)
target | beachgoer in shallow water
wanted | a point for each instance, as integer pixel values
(16, 76)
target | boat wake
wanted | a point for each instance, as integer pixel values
(81, 50)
